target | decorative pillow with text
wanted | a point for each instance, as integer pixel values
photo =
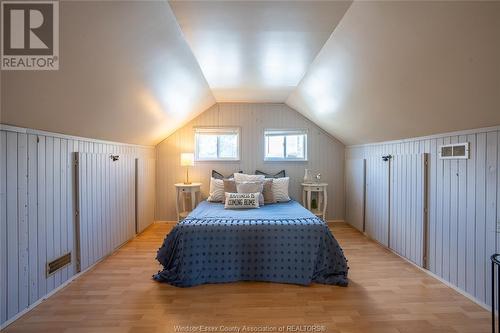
(242, 200)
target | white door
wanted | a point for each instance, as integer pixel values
(355, 193)
(105, 205)
(407, 209)
(145, 193)
(377, 199)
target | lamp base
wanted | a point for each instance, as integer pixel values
(187, 183)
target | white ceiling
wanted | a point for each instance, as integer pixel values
(135, 71)
(256, 51)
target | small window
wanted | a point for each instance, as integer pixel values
(285, 145)
(217, 144)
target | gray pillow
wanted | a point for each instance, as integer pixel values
(251, 187)
(267, 191)
(230, 186)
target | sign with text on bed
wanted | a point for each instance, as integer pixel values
(242, 200)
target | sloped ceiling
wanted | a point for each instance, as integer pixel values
(401, 69)
(135, 71)
(126, 74)
(256, 51)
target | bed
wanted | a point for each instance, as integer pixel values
(280, 242)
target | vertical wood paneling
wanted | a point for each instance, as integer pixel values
(3, 227)
(49, 206)
(491, 201)
(481, 217)
(432, 167)
(470, 279)
(325, 154)
(12, 230)
(22, 215)
(93, 229)
(407, 217)
(37, 213)
(463, 206)
(41, 217)
(377, 193)
(462, 221)
(145, 192)
(355, 193)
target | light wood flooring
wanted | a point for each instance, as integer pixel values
(386, 294)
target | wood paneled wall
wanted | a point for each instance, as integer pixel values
(146, 191)
(37, 210)
(325, 153)
(106, 205)
(463, 204)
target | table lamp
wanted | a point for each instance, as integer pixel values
(187, 160)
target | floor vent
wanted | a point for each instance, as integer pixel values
(57, 264)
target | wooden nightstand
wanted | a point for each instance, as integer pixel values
(181, 190)
(308, 190)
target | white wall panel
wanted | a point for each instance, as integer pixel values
(37, 209)
(463, 204)
(146, 170)
(93, 228)
(325, 154)
(406, 235)
(355, 193)
(3, 227)
(377, 199)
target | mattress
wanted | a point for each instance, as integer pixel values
(281, 242)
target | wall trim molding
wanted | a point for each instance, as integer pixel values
(165, 222)
(448, 284)
(25, 130)
(428, 137)
(428, 272)
(329, 222)
(50, 294)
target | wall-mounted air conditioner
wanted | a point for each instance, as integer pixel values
(454, 151)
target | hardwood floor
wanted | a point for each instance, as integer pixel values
(386, 294)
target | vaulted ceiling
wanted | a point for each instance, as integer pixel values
(134, 71)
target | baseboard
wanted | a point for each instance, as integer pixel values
(57, 289)
(448, 284)
(437, 277)
(167, 222)
(46, 296)
(329, 222)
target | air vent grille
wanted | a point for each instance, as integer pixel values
(454, 151)
(58, 263)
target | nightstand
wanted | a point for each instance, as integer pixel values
(317, 191)
(181, 190)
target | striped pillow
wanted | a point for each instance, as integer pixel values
(280, 189)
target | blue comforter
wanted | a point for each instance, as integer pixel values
(281, 242)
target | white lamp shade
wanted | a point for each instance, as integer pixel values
(187, 159)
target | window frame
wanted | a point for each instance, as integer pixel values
(286, 132)
(217, 131)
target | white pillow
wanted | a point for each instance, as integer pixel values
(242, 200)
(251, 187)
(280, 189)
(242, 177)
(216, 193)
